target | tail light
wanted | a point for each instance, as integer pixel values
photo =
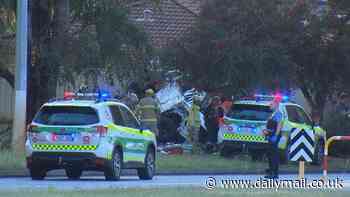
(221, 121)
(31, 134)
(30, 128)
(101, 130)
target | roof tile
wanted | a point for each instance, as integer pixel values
(170, 20)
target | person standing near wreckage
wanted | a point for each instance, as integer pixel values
(148, 111)
(194, 124)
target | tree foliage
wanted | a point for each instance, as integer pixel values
(71, 38)
(236, 46)
(247, 45)
(320, 52)
(7, 39)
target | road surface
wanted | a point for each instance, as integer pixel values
(98, 182)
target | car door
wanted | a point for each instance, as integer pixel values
(136, 145)
(300, 120)
(294, 117)
(304, 118)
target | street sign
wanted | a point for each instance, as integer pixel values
(302, 145)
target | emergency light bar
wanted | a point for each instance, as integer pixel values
(100, 96)
(276, 97)
(71, 95)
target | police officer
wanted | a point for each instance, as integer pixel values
(148, 110)
(212, 123)
(272, 132)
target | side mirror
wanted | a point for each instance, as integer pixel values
(142, 127)
(313, 124)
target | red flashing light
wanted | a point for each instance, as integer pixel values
(30, 128)
(68, 95)
(278, 97)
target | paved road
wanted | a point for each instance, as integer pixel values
(86, 183)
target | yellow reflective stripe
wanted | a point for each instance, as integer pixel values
(145, 133)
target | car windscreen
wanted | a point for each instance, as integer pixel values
(250, 112)
(66, 115)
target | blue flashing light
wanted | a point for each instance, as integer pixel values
(103, 95)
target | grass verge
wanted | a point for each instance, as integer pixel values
(241, 163)
(11, 161)
(167, 192)
(187, 163)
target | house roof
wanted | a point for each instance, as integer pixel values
(192, 5)
(165, 22)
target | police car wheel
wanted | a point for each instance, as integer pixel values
(147, 172)
(224, 152)
(114, 166)
(73, 173)
(228, 151)
(37, 174)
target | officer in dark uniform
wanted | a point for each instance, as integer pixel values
(272, 133)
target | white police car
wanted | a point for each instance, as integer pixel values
(81, 132)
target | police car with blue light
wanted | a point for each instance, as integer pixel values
(88, 131)
(242, 130)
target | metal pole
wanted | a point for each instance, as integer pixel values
(20, 76)
(326, 148)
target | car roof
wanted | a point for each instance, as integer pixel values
(82, 103)
(263, 103)
(252, 102)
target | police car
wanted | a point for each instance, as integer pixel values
(81, 132)
(244, 124)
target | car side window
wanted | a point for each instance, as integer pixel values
(292, 114)
(304, 118)
(129, 119)
(116, 115)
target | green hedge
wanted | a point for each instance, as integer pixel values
(5, 134)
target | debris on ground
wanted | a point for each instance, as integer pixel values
(174, 149)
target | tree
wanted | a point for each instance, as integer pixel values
(237, 45)
(247, 45)
(70, 38)
(320, 52)
(7, 39)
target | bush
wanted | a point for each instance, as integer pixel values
(5, 135)
(337, 124)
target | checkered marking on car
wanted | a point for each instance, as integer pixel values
(64, 147)
(246, 138)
